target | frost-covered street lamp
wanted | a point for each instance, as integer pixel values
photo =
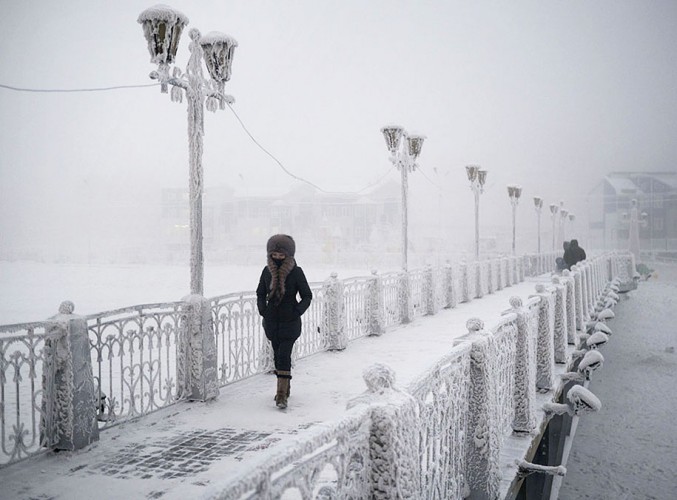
(162, 27)
(635, 220)
(538, 205)
(404, 150)
(477, 178)
(563, 212)
(553, 212)
(514, 193)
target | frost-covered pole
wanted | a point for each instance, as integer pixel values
(404, 150)
(553, 212)
(514, 193)
(162, 28)
(538, 205)
(562, 224)
(635, 220)
(477, 178)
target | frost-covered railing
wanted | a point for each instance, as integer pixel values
(146, 357)
(442, 436)
(134, 359)
(22, 353)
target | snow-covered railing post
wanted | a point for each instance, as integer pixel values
(560, 333)
(570, 284)
(585, 296)
(333, 317)
(196, 366)
(490, 276)
(525, 372)
(578, 297)
(479, 292)
(483, 442)
(465, 293)
(429, 291)
(404, 296)
(507, 274)
(514, 264)
(545, 358)
(70, 396)
(451, 298)
(500, 282)
(393, 444)
(375, 305)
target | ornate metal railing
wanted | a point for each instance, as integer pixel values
(134, 359)
(391, 298)
(23, 350)
(356, 307)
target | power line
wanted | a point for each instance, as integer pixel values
(97, 89)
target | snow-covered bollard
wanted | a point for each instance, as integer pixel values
(196, 366)
(578, 297)
(545, 359)
(333, 317)
(525, 375)
(70, 397)
(580, 401)
(375, 312)
(482, 439)
(393, 444)
(451, 296)
(560, 322)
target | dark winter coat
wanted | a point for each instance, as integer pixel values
(574, 254)
(283, 318)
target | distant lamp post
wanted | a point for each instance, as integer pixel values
(553, 212)
(162, 27)
(562, 224)
(404, 150)
(572, 218)
(538, 205)
(514, 193)
(477, 178)
(635, 220)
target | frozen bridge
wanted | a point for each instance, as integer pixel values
(437, 383)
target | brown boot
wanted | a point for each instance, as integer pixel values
(283, 378)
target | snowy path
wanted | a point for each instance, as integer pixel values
(178, 451)
(629, 449)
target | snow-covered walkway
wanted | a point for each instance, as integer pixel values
(179, 451)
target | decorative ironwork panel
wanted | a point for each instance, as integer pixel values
(442, 394)
(134, 359)
(504, 360)
(440, 287)
(331, 461)
(357, 313)
(312, 339)
(22, 352)
(391, 298)
(417, 284)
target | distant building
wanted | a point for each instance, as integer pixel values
(656, 195)
(237, 223)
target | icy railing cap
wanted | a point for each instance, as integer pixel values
(596, 339)
(591, 360)
(161, 12)
(515, 302)
(66, 307)
(474, 325)
(378, 377)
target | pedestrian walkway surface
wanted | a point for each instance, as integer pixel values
(179, 451)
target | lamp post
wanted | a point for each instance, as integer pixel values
(162, 27)
(635, 220)
(477, 178)
(514, 193)
(563, 213)
(538, 205)
(404, 150)
(553, 212)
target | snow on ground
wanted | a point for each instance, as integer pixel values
(629, 449)
(32, 291)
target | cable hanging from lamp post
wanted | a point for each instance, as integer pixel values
(162, 27)
(404, 150)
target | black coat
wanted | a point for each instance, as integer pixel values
(285, 317)
(574, 254)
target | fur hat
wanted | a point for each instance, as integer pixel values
(282, 243)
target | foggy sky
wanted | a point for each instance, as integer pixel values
(550, 95)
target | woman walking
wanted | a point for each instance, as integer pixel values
(276, 296)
